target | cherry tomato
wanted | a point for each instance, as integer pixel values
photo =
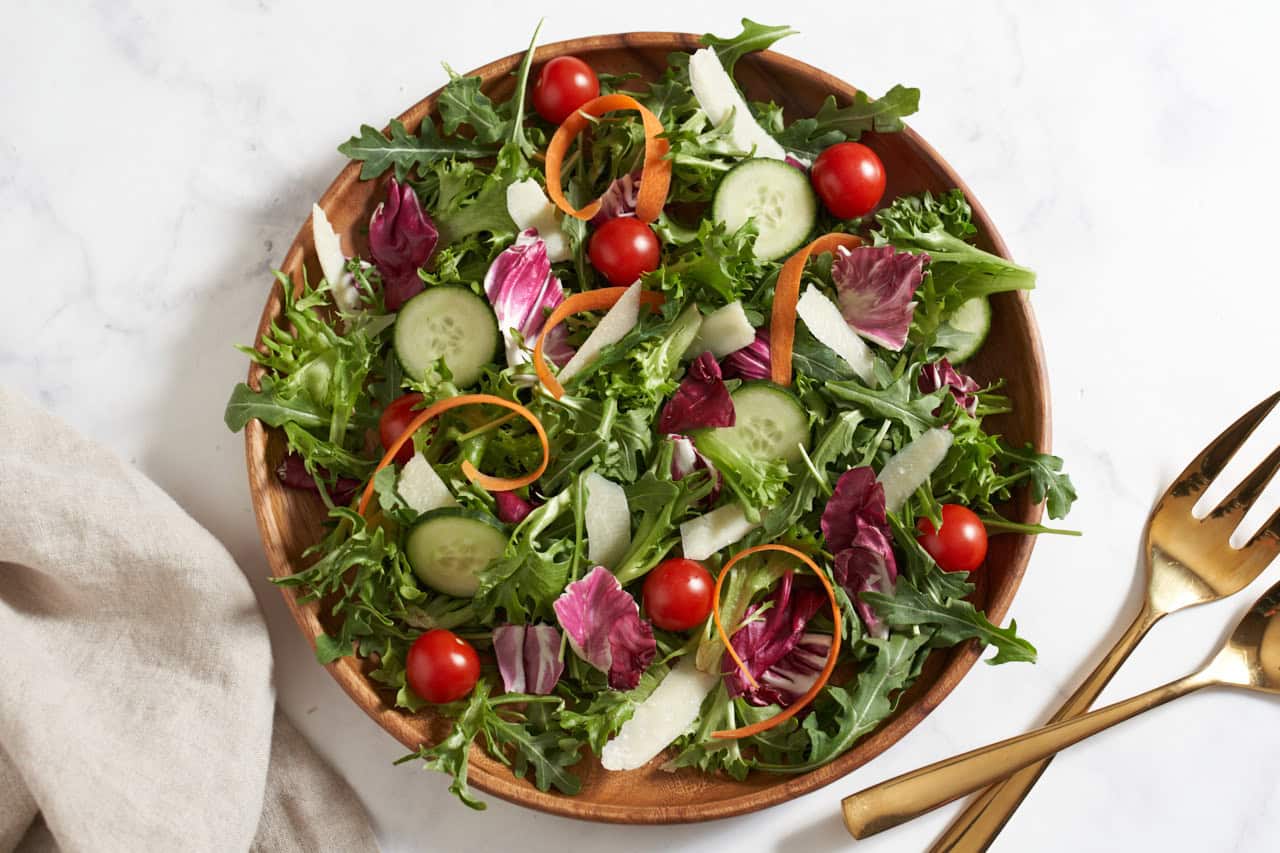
(441, 666)
(961, 544)
(678, 593)
(849, 178)
(622, 249)
(564, 84)
(395, 419)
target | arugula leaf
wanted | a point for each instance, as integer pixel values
(815, 359)
(461, 102)
(451, 755)
(604, 715)
(265, 405)
(1047, 479)
(548, 752)
(831, 124)
(404, 150)
(900, 401)
(752, 38)
(516, 104)
(857, 713)
(709, 754)
(836, 443)
(955, 619)
(660, 504)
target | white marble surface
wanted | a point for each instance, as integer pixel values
(156, 160)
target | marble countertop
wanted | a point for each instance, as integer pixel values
(155, 162)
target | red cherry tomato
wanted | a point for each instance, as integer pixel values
(441, 666)
(849, 178)
(564, 84)
(678, 593)
(622, 249)
(395, 420)
(961, 544)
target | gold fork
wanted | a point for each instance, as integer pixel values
(1188, 562)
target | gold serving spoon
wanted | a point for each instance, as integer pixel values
(1188, 562)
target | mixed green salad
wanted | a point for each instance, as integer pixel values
(642, 424)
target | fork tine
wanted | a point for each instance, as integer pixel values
(1237, 503)
(1269, 532)
(1209, 463)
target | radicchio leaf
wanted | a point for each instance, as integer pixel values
(603, 624)
(402, 238)
(619, 199)
(776, 648)
(528, 657)
(856, 530)
(512, 509)
(875, 286)
(750, 362)
(941, 374)
(293, 474)
(523, 291)
(686, 458)
(700, 401)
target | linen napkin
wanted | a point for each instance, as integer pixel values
(136, 703)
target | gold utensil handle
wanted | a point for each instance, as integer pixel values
(896, 801)
(980, 823)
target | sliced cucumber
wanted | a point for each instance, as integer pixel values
(448, 548)
(769, 423)
(773, 193)
(966, 329)
(450, 323)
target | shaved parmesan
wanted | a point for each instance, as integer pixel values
(723, 331)
(622, 318)
(528, 207)
(421, 487)
(668, 712)
(721, 101)
(705, 535)
(328, 247)
(608, 521)
(911, 467)
(828, 325)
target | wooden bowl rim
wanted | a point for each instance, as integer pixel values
(491, 776)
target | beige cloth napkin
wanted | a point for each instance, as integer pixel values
(136, 703)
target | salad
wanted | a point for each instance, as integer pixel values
(643, 426)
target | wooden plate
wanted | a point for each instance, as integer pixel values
(290, 521)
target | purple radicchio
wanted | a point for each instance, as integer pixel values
(293, 474)
(602, 622)
(941, 374)
(402, 238)
(875, 286)
(857, 532)
(523, 292)
(702, 400)
(619, 199)
(783, 658)
(750, 362)
(528, 657)
(686, 458)
(512, 509)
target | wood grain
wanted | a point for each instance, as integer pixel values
(290, 521)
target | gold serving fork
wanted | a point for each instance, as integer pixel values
(1188, 562)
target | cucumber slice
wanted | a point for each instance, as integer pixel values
(448, 548)
(773, 193)
(769, 423)
(451, 323)
(966, 329)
